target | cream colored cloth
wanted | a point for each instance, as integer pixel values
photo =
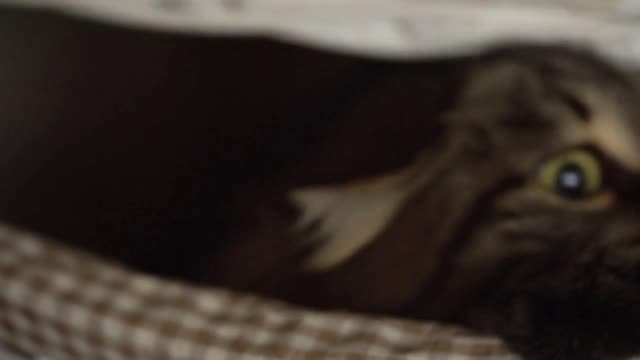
(383, 28)
(62, 304)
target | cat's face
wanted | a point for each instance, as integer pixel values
(523, 218)
(556, 244)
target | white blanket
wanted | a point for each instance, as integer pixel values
(399, 28)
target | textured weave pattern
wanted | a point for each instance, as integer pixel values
(64, 304)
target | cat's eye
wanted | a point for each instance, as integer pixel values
(573, 174)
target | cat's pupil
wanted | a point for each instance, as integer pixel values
(570, 181)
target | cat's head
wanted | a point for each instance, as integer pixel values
(523, 216)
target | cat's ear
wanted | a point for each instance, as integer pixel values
(344, 218)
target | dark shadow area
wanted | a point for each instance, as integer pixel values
(130, 143)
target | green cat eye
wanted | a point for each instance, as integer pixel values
(576, 173)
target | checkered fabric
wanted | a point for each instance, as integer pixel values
(62, 304)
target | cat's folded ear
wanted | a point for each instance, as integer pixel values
(343, 219)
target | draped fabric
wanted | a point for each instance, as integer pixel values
(403, 28)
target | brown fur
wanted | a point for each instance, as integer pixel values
(476, 240)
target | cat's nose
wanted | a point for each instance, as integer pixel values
(623, 263)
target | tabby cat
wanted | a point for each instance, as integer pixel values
(517, 215)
